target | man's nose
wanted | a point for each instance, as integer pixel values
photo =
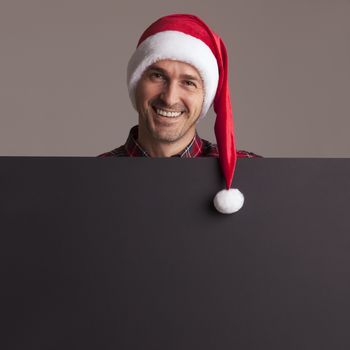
(170, 94)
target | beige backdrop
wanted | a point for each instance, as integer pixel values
(63, 65)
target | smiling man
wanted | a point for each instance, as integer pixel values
(172, 78)
(169, 99)
(177, 72)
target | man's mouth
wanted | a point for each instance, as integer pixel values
(167, 114)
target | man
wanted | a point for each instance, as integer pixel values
(169, 99)
(178, 70)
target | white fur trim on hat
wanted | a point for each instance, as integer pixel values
(175, 45)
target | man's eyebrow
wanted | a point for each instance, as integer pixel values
(157, 69)
(190, 77)
(182, 76)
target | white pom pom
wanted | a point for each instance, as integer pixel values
(228, 201)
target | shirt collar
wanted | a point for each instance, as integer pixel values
(134, 149)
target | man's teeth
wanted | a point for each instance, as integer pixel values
(168, 114)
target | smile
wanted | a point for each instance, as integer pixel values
(167, 114)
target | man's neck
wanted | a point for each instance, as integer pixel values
(156, 148)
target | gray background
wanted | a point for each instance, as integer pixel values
(63, 64)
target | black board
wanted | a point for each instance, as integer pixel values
(103, 253)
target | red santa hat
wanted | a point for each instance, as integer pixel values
(186, 38)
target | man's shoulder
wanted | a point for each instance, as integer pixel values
(211, 150)
(246, 154)
(117, 152)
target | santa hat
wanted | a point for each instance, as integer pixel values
(186, 38)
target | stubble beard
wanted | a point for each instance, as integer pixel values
(164, 136)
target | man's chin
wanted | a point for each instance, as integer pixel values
(166, 137)
(165, 131)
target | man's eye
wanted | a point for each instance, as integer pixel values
(190, 83)
(157, 75)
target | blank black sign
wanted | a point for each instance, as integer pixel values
(103, 253)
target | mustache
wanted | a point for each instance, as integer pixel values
(174, 108)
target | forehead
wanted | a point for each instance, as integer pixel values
(175, 67)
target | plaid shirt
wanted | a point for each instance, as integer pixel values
(197, 148)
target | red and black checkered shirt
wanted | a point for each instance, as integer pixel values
(197, 148)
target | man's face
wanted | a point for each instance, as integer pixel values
(169, 99)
